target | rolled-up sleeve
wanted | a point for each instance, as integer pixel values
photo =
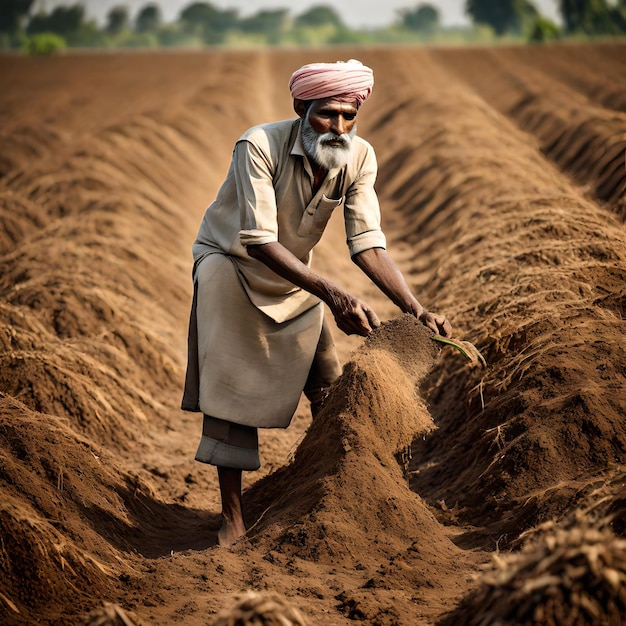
(256, 195)
(362, 210)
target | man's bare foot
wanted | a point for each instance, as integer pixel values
(233, 527)
(229, 533)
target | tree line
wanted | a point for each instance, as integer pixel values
(201, 23)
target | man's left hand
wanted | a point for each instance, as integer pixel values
(438, 323)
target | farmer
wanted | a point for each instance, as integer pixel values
(257, 336)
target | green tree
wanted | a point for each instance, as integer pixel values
(591, 17)
(44, 44)
(117, 20)
(203, 20)
(619, 15)
(271, 24)
(504, 16)
(320, 15)
(148, 19)
(64, 21)
(173, 35)
(544, 30)
(199, 17)
(69, 22)
(12, 13)
(424, 18)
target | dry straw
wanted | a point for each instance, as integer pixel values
(110, 615)
(569, 577)
(260, 609)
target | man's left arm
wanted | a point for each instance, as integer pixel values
(386, 275)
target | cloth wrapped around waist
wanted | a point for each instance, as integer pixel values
(243, 366)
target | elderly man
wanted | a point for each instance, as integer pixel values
(257, 335)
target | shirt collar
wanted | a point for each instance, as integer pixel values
(297, 148)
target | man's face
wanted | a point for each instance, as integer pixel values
(332, 116)
(327, 131)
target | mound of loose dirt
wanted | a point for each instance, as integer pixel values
(345, 487)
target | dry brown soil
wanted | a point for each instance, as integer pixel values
(429, 490)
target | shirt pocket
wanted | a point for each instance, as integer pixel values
(316, 216)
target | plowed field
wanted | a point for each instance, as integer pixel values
(429, 490)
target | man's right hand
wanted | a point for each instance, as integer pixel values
(352, 315)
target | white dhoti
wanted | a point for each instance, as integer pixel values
(251, 369)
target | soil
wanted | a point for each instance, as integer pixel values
(429, 489)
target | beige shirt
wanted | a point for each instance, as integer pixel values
(267, 196)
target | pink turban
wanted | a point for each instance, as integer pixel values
(350, 80)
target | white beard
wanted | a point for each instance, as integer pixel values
(318, 149)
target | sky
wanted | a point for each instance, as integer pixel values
(355, 13)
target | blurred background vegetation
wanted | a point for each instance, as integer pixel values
(23, 27)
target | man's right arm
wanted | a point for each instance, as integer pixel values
(352, 315)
